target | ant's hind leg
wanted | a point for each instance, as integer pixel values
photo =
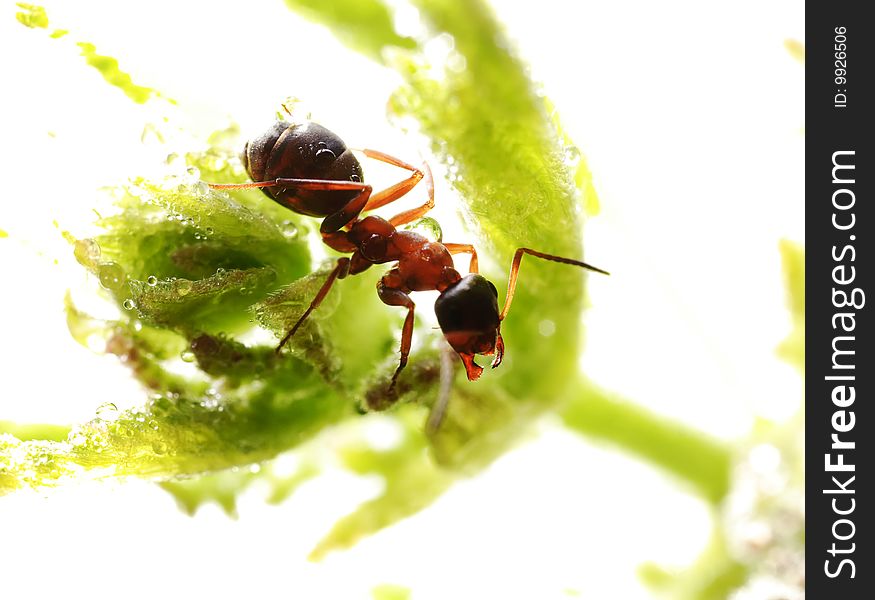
(340, 271)
(395, 297)
(394, 192)
(332, 223)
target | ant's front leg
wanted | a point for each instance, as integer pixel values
(390, 294)
(339, 272)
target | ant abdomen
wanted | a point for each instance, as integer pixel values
(303, 151)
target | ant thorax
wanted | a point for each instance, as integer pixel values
(426, 265)
(422, 265)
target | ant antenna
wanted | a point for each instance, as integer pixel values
(515, 269)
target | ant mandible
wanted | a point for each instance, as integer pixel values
(309, 169)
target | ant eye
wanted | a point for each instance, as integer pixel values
(325, 156)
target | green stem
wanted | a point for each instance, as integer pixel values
(696, 458)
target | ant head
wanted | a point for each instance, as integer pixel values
(467, 312)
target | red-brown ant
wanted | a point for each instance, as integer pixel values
(308, 169)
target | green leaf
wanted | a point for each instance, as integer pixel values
(792, 349)
(363, 25)
(216, 303)
(412, 482)
(389, 591)
(109, 69)
(35, 431)
(224, 487)
(32, 16)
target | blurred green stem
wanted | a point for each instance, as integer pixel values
(700, 460)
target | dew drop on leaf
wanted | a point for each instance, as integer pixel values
(86, 252)
(546, 327)
(107, 411)
(111, 276)
(289, 229)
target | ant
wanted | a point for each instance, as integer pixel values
(309, 169)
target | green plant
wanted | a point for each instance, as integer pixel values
(191, 269)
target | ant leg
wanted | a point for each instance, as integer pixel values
(411, 215)
(304, 184)
(515, 269)
(332, 223)
(398, 190)
(340, 271)
(339, 240)
(394, 192)
(242, 186)
(396, 297)
(463, 248)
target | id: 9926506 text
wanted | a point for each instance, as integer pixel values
(840, 100)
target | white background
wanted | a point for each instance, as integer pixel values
(691, 117)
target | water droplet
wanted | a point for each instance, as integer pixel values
(111, 276)
(427, 227)
(159, 447)
(187, 356)
(183, 287)
(77, 438)
(289, 229)
(86, 251)
(209, 231)
(152, 280)
(107, 411)
(210, 402)
(456, 62)
(129, 304)
(572, 155)
(547, 328)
